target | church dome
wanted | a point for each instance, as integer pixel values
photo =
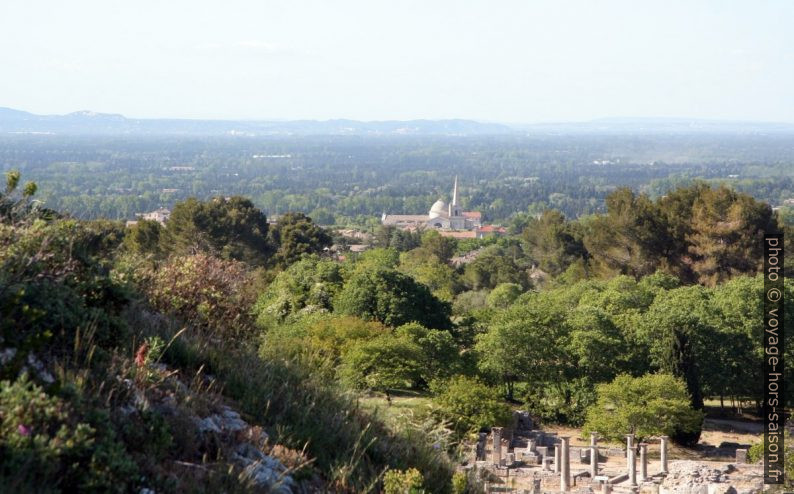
(439, 209)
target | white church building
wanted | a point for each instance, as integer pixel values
(442, 216)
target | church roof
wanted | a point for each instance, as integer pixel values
(439, 209)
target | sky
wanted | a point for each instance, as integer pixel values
(492, 60)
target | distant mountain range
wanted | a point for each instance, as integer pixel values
(85, 122)
(91, 123)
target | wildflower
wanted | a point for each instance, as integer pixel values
(140, 355)
(23, 430)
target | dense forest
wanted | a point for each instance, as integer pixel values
(221, 351)
(353, 180)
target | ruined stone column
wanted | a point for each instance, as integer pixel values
(663, 454)
(497, 445)
(565, 471)
(632, 468)
(629, 447)
(593, 438)
(606, 488)
(593, 461)
(557, 456)
(643, 461)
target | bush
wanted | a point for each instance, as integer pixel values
(651, 405)
(392, 298)
(469, 405)
(206, 292)
(382, 364)
(45, 441)
(403, 482)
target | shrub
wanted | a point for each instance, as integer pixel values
(45, 441)
(403, 482)
(469, 405)
(392, 298)
(206, 292)
(651, 405)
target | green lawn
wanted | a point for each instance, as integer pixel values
(404, 404)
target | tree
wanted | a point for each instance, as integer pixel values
(309, 283)
(441, 247)
(231, 228)
(651, 405)
(295, 235)
(469, 405)
(440, 354)
(727, 229)
(392, 298)
(554, 243)
(382, 364)
(493, 266)
(425, 268)
(681, 335)
(521, 345)
(144, 238)
(630, 239)
(503, 295)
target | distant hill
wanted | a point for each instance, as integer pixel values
(92, 123)
(86, 122)
(629, 126)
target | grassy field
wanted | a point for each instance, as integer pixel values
(404, 405)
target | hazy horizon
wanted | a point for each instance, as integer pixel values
(513, 62)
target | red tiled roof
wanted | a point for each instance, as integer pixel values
(472, 215)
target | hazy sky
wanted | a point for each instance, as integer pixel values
(510, 61)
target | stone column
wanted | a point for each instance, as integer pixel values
(629, 447)
(632, 468)
(557, 456)
(663, 454)
(531, 446)
(593, 438)
(643, 461)
(565, 471)
(593, 461)
(606, 488)
(497, 445)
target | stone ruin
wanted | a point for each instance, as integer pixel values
(524, 459)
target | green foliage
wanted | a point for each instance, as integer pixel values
(383, 363)
(503, 295)
(44, 441)
(53, 280)
(318, 340)
(403, 482)
(460, 482)
(553, 242)
(202, 290)
(144, 237)
(496, 265)
(756, 452)
(231, 228)
(308, 285)
(296, 235)
(392, 298)
(425, 268)
(680, 335)
(469, 405)
(440, 358)
(651, 405)
(563, 402)
(442, 248)
(727, 233)
(521, 345)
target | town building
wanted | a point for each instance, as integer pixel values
(449, 219)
